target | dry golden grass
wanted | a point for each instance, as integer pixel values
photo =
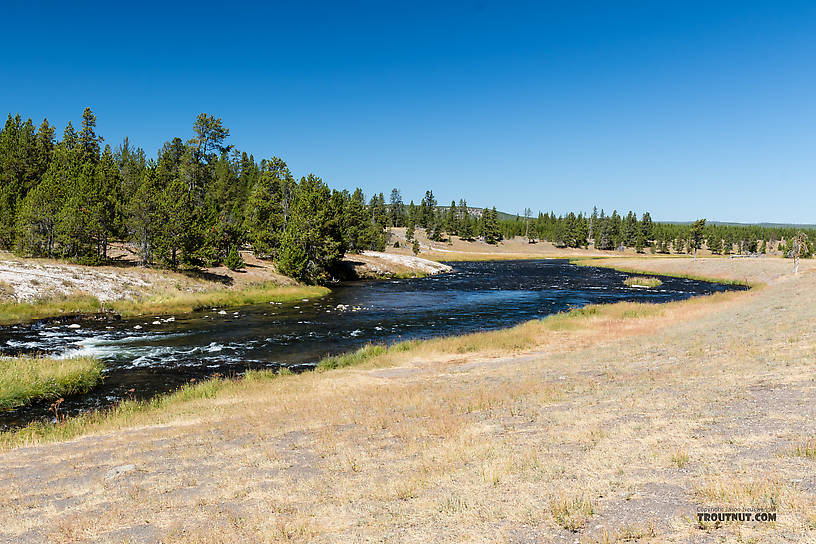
(565, 425)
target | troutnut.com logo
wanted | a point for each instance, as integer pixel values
(728, 514)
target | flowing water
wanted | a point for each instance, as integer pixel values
(157, 354)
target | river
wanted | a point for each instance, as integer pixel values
(157, 354)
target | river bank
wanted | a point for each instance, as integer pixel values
(34, 289)
(603, 417)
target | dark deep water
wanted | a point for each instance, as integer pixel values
(153, 358)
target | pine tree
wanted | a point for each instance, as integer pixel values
(452, 220)
(145, 217)
(409, 232)
(89, 142)
(490, 226)
(647, 226)
(696, 235)
(396, 209)
(234, 261)
(427, 210)
(356, 223)
(640, 241)
(312, 244)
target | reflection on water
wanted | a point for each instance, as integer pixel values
(156, 354)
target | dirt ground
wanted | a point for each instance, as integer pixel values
(618, 434)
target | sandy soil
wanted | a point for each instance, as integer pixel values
(616, 434)
(377, 264)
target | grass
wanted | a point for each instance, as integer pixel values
(135, 412)
(170, 302)
(24, 379)
(680, 458)
(179, 303)
(806, 449)
(22, 312)
(599, 261)
(642, 281)
(571, 513)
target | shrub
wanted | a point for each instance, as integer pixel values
(234, 261)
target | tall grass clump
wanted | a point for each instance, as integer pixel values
(21, 312)
(24, 379)
(642, 281)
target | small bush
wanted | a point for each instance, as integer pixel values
(234, 261)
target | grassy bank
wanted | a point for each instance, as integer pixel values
(168, 302)
(24, 379)
(179, 303)
(22, 312)
(601, 262)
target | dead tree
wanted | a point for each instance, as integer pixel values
(798, 244)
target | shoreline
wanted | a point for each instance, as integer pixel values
(474, 343)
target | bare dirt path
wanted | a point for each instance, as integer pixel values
(622, 434)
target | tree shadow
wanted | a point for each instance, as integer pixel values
(201, 274)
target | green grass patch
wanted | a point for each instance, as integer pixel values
(24, 379)
(154, 304)
(22, 312)
(642, 281)
(365, 354)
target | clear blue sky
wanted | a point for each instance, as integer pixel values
(685, 109)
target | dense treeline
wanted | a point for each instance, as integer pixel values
(617, 232)
(196, 204)
(201, 200)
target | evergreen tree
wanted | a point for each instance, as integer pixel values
(696, 235)
(234, 261)
(640, 242)
(267, 207)
(490, 226)
(312, 244)
(396, 209)
(427, 210)
(647, 226)
(145, 217)
(89, 142)
(452, 220)
(356, 223)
